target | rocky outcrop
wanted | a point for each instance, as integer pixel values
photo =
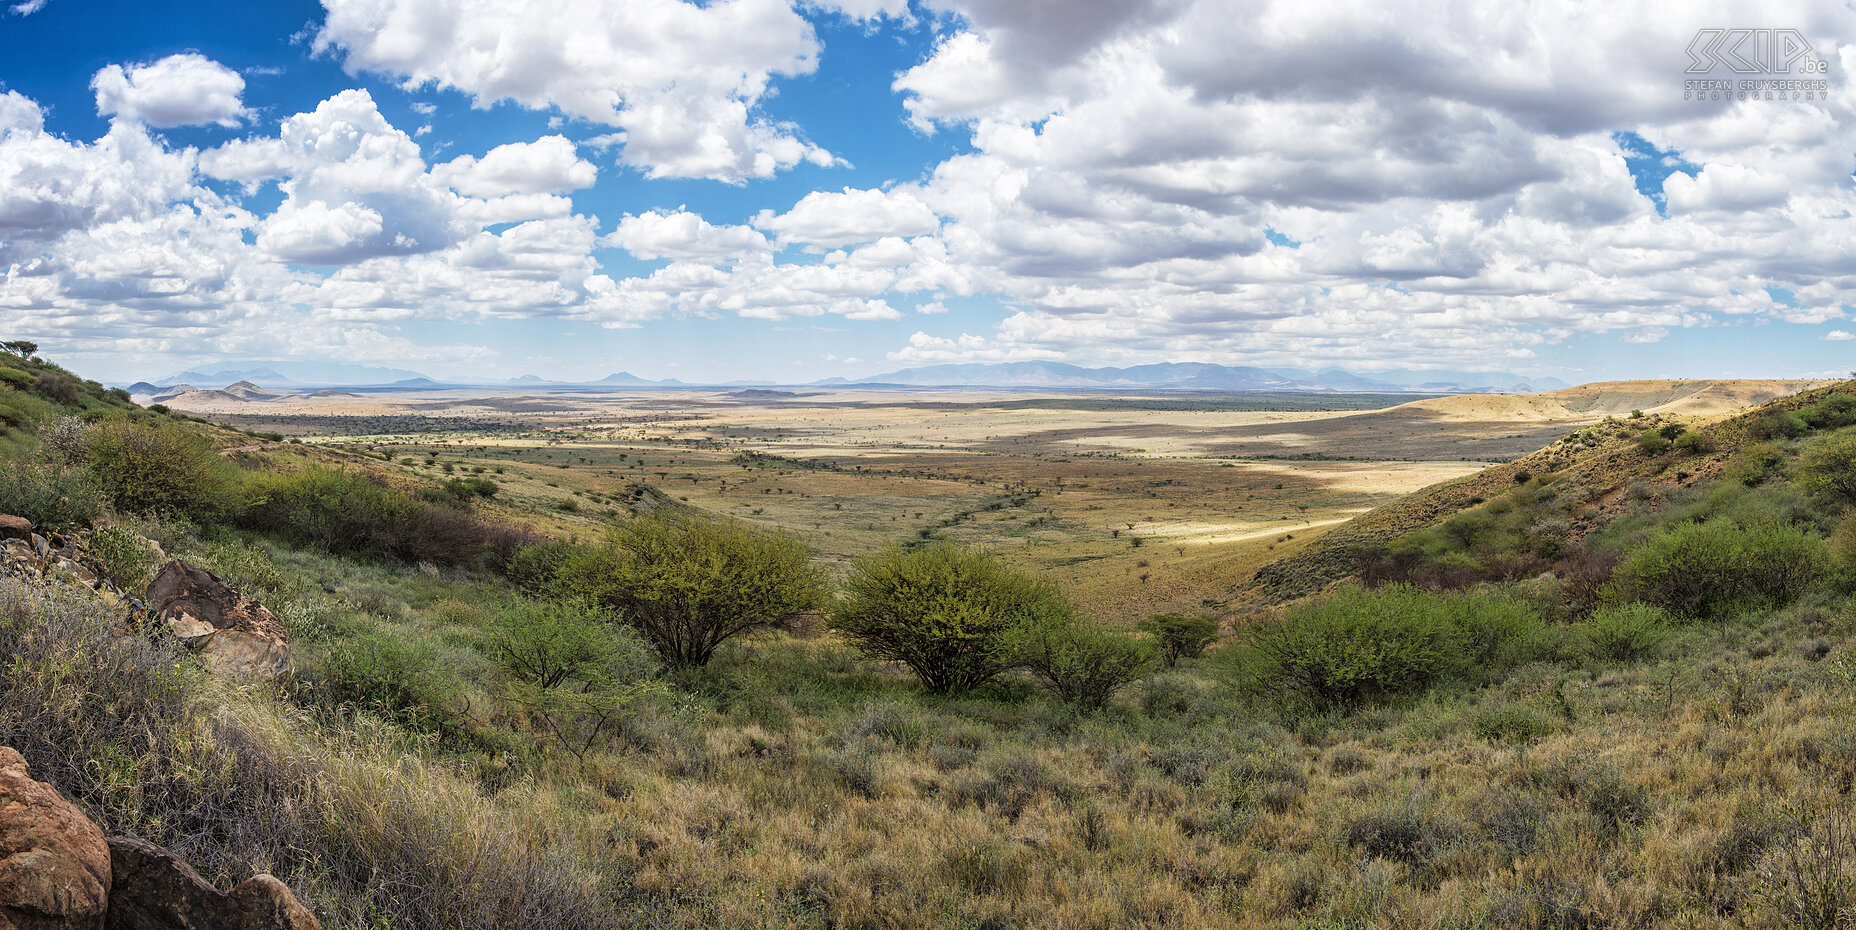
(12, 527)
(57, 872)
(54, 865)
(233, 634)
(156, 891)
(63, 557)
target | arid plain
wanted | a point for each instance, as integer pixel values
(1134, 504)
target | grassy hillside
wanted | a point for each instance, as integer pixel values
(34, 392)
(1590, 471)
(1606, 685)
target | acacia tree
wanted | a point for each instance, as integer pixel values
(21, 348)
(943, 611)
(688, 585)
(1082, 665)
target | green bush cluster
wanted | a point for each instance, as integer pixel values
(1517, 535)
(1828, 468)
(1709, 570)
(50, 494)
(352, 513)
(1361, 646)
(157, 466)
(1083, 665)
(1626, 632)
(397, 676)
(466, 489)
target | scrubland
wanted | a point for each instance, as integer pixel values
(1607, 684)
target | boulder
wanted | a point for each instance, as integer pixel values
(232, 633)
(156, 891)
(54, 864)
(12, 527)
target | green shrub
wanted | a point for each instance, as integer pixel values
(396, 676)
(571, 668)
(533, 568)
(16, 378)
(942, 611)
(1360, 646)
(123, 558)
(1694, 444)
(1753, 464)
(50, 495)
(351, 513)
(1181, 636)
(1653, 443)
(548, 643)
(1626, 632)
(1707, 570)
(1833, 412)
(1829, 468)
(1082, 665)
(1778, 424)
(158, 466)
(1843, 554)
(687, 586)
(465, 489)
(58, 387)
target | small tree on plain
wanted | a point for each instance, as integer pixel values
(1181, 636)
(687, 586)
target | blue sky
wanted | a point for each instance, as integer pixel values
(787, 191)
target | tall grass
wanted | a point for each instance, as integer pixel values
(344, 810)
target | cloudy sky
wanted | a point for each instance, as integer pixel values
(795, 189)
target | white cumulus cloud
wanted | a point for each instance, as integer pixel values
(827, 220)
(684, 81)
(548, 165)
(684, 236)
(180, 90)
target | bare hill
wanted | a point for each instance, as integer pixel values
(1613, 398)
(202, 400)
(246, 390)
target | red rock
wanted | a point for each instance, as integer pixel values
(54, 864)
(12, 527)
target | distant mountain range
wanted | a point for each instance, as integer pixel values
(1198, 376)
(1171, 376)
(287, 373)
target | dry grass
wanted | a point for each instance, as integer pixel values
(793, 784)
